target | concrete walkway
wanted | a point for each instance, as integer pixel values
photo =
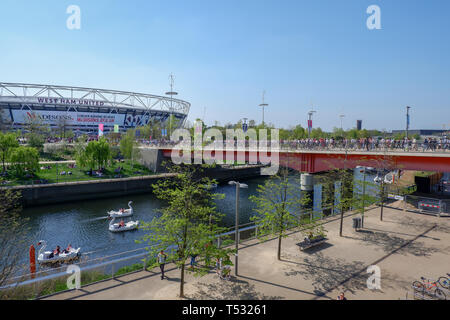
(404, 245)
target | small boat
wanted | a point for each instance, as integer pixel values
(378, 179)
(130, 225)
(122, 212)
(44, 256)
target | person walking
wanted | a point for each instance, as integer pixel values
(162, 261)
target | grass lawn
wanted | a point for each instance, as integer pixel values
(53, 175)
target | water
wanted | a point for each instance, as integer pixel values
(84, 223)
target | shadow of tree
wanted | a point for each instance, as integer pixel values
(389, 242)
(327, 273)
(233, 289)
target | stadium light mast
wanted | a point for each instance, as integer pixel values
(263, 104)
(310, 114)
(341, 116)
(171, 93)
(407, 120)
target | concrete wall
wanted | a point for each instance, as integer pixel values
(84, 190)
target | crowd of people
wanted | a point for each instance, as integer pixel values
(371, 144)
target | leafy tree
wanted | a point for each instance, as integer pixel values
(95, 154)
(8, 142)
(13, 233)
(127, 144)
(35, 140)
(188, 224)
(25, 159)
(276, 202)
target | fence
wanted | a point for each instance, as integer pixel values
(96, 270)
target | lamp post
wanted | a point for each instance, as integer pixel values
(263, 105)
(363, 196)
(236, 236)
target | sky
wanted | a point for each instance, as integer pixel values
(223, 54)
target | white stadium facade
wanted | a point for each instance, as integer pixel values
(84, 109)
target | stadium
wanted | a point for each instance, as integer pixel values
(84, 109)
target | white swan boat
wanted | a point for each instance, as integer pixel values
(123, 213)
(44, 256)
(130, 225)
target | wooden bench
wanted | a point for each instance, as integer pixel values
(305, 244)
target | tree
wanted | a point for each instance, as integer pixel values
(95, 154)
(13, 231)
(35, 140)
(8, 142)
(127, 144)
(188, 223)
(24, 159)
(276, 201)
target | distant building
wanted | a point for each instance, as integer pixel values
(358, 124)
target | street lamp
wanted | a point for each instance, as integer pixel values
(263, 105)
(236, 236)
(363, 196)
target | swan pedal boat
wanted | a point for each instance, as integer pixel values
(124, 213)
(43, 256)
(130, 225)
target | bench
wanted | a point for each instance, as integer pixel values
(306, 244)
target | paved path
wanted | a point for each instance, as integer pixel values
(404, 245)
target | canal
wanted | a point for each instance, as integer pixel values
(84, 224)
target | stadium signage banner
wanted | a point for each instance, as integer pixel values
(70, 101)
(67, 118)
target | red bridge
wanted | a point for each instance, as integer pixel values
(317, 161)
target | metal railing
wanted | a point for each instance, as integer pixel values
(108, 266)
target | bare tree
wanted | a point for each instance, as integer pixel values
(13, 233)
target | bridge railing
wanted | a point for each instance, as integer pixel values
(439, 147)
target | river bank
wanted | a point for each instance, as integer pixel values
(36, 195)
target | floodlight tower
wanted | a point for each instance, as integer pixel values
(263, 104)
(341, 116)
(171, 93)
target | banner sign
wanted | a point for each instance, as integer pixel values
(68, 118)
(100, 129)
(116, 128)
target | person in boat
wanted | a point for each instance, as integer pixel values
(122, 210)
(55, 252)
(67, 250)
(121, 224)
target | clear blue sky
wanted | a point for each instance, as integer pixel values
(224, 53)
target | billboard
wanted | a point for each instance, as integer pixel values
(68, 118)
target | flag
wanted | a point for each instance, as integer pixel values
(116, 128)
(100, 129)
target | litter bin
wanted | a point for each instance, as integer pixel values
(356, 223)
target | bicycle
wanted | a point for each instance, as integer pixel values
(444, 282)
(430, 288)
